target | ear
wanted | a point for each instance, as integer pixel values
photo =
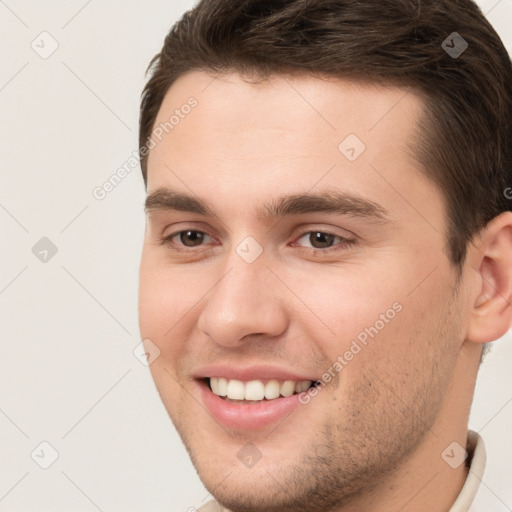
(491, 258)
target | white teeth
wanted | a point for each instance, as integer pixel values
(236, 390)
(222, 386)
(214, 384)
(272, 389)
(256, 390)
(287, 388)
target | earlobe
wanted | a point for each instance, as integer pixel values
(491, 313)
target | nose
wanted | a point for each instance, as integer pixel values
(243, 303)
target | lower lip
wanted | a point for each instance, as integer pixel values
(247, 416)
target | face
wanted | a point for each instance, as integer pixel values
(292, 239)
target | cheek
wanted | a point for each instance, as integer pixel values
(337, 306)
(151, 306)
(164, 300)
(374, 315)
(160, 308)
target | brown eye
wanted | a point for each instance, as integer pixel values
(186, 240)
(191, 238)
(321, 240)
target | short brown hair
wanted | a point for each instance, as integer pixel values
(465, 143)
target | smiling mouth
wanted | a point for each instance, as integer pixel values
(255, 391)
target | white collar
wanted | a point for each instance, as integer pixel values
(477, 458)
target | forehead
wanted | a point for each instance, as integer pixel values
(309, 116)
(290, 133)
(304, 107)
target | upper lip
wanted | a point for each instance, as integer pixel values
(248, 373)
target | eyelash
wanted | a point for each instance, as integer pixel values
(344, 242)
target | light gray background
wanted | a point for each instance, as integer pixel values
(68, 327)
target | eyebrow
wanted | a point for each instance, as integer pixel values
(296, 204)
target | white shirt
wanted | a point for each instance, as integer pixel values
(476, 458)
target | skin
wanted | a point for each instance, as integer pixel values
(372, 438)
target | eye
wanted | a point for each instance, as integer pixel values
(319, 240)
(186, 238)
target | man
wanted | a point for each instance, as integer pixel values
(328, 247)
